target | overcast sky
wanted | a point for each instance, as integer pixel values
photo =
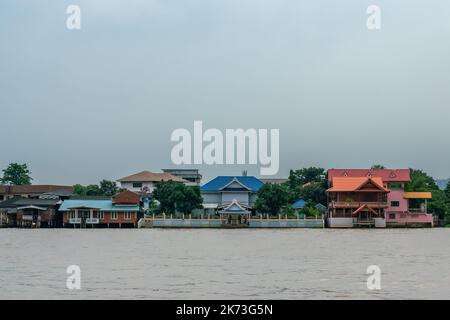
(101, 102)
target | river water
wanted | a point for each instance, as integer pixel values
(225, 264)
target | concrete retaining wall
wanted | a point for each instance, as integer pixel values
(194, 223)
(340, 222)
(286, 223)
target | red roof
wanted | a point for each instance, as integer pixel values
(388, 175)
(348, 184)
(126, 197)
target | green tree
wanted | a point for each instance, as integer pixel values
(163, 193)
(187, 198)
(89, 190)
(378, 166)
(271, 198)
(17, 174)
(305, 175)
(309, 184)
(108, 188)
(422, 182)
(79, 190)
(176, 197)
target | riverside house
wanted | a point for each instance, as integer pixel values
(121, 211)
(33, 206)
(375, 197)
(232, 197)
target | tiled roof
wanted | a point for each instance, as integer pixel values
(388, 175)
(342, 184)
(126, 197)
(34, 188)
(216, 184)
(147, 176)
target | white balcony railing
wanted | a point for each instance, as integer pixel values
(75, 220)
(92, 220)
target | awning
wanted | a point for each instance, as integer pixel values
(417, 195)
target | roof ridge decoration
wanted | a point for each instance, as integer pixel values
(370, 179)
(235, 179)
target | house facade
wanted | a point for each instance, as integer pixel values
(122, 211)
(30, 212)
(144, 182)
(232, 197)
(377, 196)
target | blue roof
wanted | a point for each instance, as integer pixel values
(102, 205)
(216, 184)
(299, 204)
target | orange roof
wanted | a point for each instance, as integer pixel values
(417, 195)
(354, 184)
(150, 176)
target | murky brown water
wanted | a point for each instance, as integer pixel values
(224, 264)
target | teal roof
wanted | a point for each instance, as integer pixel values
(102, 205)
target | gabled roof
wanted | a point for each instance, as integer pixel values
(147, 176)
(234, 207)
(388, 175)
(126, 197)
(343, 184)
(217, 184)
(364, 207)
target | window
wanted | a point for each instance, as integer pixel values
(113, 215)
(137, 184)
(101, 215)
(72, 215)
(395, 203)
(392, 216)
(127, 215)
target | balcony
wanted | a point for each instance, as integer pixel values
(354, 204)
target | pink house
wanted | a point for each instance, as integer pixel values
(403, 208)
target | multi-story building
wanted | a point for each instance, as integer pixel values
(375, 197)
(232, 197)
